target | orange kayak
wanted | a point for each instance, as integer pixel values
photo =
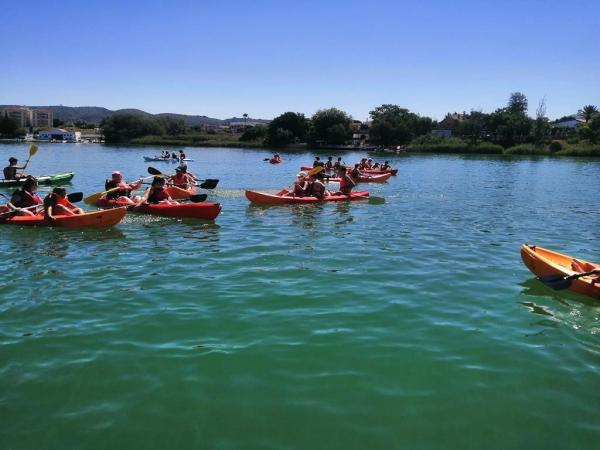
(96, 219)
(178, 193)
(543, 262)
(280, 199)
(366, 178)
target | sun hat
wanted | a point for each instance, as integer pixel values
(116, 172)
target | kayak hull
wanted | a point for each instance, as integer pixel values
(366, 179)
(95, 219)
(205, 211)
(542, 261)
(45, 180)
(154, 159)
(178, 193)
(367, 171)
(274, 199)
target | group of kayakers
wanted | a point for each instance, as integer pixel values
(313, 185)
(26, 202)
(333, 168)
(165, 154)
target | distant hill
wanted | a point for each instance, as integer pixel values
(95, 114)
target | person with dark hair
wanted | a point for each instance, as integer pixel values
(10, 171)
(317, 187)
(56, 203)
(157, 193)
(26, 197)
(346, 182)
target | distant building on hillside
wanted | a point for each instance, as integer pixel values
(448, 125)
(568, 123)
(58, 134)
(27, 117)
(360, 132)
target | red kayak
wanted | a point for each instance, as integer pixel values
(366, 178)
(206, 211)
(178, 193)
(95, 219)
(280, 199)
(367, 171)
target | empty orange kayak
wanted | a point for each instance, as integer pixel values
(279, 199)
(96, 219)
(543, 262)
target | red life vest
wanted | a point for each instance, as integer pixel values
(25, 199)
(156, 196)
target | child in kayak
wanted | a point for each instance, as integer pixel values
(301, 186)
(355, 172)
(57, 203)
(369, 163)
(25, 198)
(346, 182)
(123, 194)
(385, 166)
(157, 193)
(317, 187)
(337, 165)
(10, 171)
(363, 164)
(276, 158)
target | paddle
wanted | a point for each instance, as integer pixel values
(32, 151)
(198, 198)
(209, 183)
(558, 282)
(74, 197)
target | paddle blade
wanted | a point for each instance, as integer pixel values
(75, 197)
(209, 184)
(33, 150)
(556, 282)
(198, 198)
(316, 170)
(376, 200)
(91, 199)
(153, 171)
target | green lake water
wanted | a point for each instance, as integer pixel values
(409, 324)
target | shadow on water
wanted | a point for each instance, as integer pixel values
(563, 307)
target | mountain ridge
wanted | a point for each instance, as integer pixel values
(95, 114)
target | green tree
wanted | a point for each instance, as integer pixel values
(394, 125)
(295, 123)
(517, 103)
(331, 126)
(588, 112)
(121, 128)
(254, 133)
(540, 126)
(591, 130)
(8, 126)
(474, 126)
(173, 126)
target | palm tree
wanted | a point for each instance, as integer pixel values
(245, 116)
(588, 112)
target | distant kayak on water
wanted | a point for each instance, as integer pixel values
(158, 158)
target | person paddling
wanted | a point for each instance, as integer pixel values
(337, 165)
(369, 163)
(317, 187)
(317, 162)
(363, 164)
(355, 172)
(301, 186)
(25, 198)
(56, 203)
(123, 194)
(181, 179)
(276, 158)
(385, 166)
(181, 155)
(346, 182)
(157, 193)
(10, 171)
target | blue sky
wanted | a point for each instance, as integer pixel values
(263, 58)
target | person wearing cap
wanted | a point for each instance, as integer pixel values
(123, 193)
(10, 171)
(301, 185)
(25, 197)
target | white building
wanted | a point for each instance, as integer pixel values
(570, 123)
(58, 134)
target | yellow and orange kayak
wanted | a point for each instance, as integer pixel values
(543, 262)
(95, 219)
